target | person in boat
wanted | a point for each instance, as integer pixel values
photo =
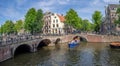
(75, 40)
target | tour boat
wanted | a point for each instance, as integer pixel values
(115, 44)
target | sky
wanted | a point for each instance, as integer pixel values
(16, 9)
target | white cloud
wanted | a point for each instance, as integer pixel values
(93, 5)
(63, 2)
(11, 13)
(87, 11)
(50, 5)
(111, 1)
(95, 2)
(44, 5)
(20, 2)
(85, 8)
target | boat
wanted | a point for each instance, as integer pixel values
(115, 44)
(73, 44)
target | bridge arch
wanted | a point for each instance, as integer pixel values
(82, 39)
(44, 42)
(24, 48)
(57, 40)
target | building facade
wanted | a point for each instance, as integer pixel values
(53, 23)
(108, 23)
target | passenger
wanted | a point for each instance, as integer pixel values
(75, 40)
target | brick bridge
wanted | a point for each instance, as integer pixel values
(9, 49)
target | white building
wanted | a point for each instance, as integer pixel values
(53, 23)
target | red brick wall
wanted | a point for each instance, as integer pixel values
(94, 38)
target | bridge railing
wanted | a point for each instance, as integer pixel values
(18, 39)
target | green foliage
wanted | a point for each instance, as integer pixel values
(8, 27)
(30, 18)
(18, 25)
(33, 20)
(86, 25)
(96, 17)
(72, 19)
(118, 11)
(39, 21)
(1, 29)
(117, 21)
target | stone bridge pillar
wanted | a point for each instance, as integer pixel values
(34, 48)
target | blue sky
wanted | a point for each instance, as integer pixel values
(16, 9)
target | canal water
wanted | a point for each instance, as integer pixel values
(86, 54)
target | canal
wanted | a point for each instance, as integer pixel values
(86, 54)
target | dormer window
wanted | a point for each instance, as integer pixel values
(52, 13)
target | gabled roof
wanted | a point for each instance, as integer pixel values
(112, 6)
(62, 18)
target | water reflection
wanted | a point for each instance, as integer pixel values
(86, 54)
(114, 57)
(73, 57)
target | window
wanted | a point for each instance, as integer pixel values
(53, 25)
(56, 20)
(53, 21)
(57, 25)
(56, 30)
(49, 31)
(112, 8)
(53, 31)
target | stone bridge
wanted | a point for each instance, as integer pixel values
(31, 45)
(9, 49)
(84, 37)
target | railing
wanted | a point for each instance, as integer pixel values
(18, 39)
(15, 39)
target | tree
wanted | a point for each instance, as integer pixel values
(8, 27)
(86, 25)
(30, 18)
(117, 21)
(79, 24)
(39, 21)
(96, 18)
(18, 25)
(2, 29)
(72, 19)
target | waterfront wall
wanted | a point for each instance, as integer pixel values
(102, 38)
(110, 38)
(89, 38)
(5, 53)
(92, 38)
